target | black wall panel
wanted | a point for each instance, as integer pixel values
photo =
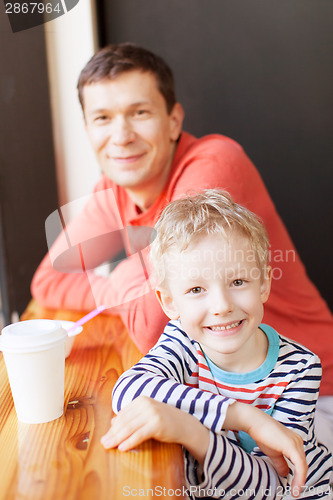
(260, 72)
(28, 191)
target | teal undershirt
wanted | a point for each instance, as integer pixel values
(242, 379)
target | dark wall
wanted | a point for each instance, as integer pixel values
(260, 72)
(28, 192)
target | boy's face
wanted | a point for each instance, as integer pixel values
(216, 289)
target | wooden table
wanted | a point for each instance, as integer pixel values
(63, 459)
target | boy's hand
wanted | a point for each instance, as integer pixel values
(144, 418)
(273, 438)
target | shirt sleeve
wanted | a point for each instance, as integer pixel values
(85, 241)
(295, 408)
(229, 472)
(162, 374)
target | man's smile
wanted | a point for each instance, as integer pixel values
(126, 159)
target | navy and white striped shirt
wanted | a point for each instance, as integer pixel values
(176, 371)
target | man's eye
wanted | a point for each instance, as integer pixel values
(196, 290)
(101, 118)
(238, 282)
(141, 112)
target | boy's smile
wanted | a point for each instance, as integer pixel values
(217, 291)
(228, 328)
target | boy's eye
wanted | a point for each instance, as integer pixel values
(196, 290)
(238, 282)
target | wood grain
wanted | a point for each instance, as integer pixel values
(63, 459)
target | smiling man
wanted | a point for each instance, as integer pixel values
(132, 133)
(134, 124)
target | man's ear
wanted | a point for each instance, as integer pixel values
(265, 286)
(167, 304)
(176, 121)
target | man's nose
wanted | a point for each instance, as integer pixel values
(221, 302)
(121, 131)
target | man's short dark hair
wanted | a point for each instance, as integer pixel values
(115, 59)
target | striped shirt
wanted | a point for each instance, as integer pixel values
(176, 371)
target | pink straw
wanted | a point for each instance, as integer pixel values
(87, 317)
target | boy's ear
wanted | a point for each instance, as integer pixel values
(167, 304)
(265, 287)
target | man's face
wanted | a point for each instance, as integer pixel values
(130, 130)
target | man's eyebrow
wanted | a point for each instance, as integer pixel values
(140, 103)
(97, 111)
(132, 105)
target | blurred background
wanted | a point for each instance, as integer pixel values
(260, 72)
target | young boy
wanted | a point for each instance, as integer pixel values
(217, 372)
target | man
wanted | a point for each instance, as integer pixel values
(134, 124)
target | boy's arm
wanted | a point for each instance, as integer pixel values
(230, 472)
(164, 374)
(275, 440)
(146, 418)
(295, 409)
(161, 375)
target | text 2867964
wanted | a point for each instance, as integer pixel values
(32, 8)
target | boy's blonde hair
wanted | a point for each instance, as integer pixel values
(210, 212)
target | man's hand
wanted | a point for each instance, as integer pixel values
(273, 438)
(144, 418)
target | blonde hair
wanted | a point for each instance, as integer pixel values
(211, 212)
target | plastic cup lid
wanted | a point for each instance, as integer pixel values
(32, 335)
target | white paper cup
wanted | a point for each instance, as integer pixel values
(34, 353)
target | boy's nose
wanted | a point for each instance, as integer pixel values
(221, 303)
(121, 132)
